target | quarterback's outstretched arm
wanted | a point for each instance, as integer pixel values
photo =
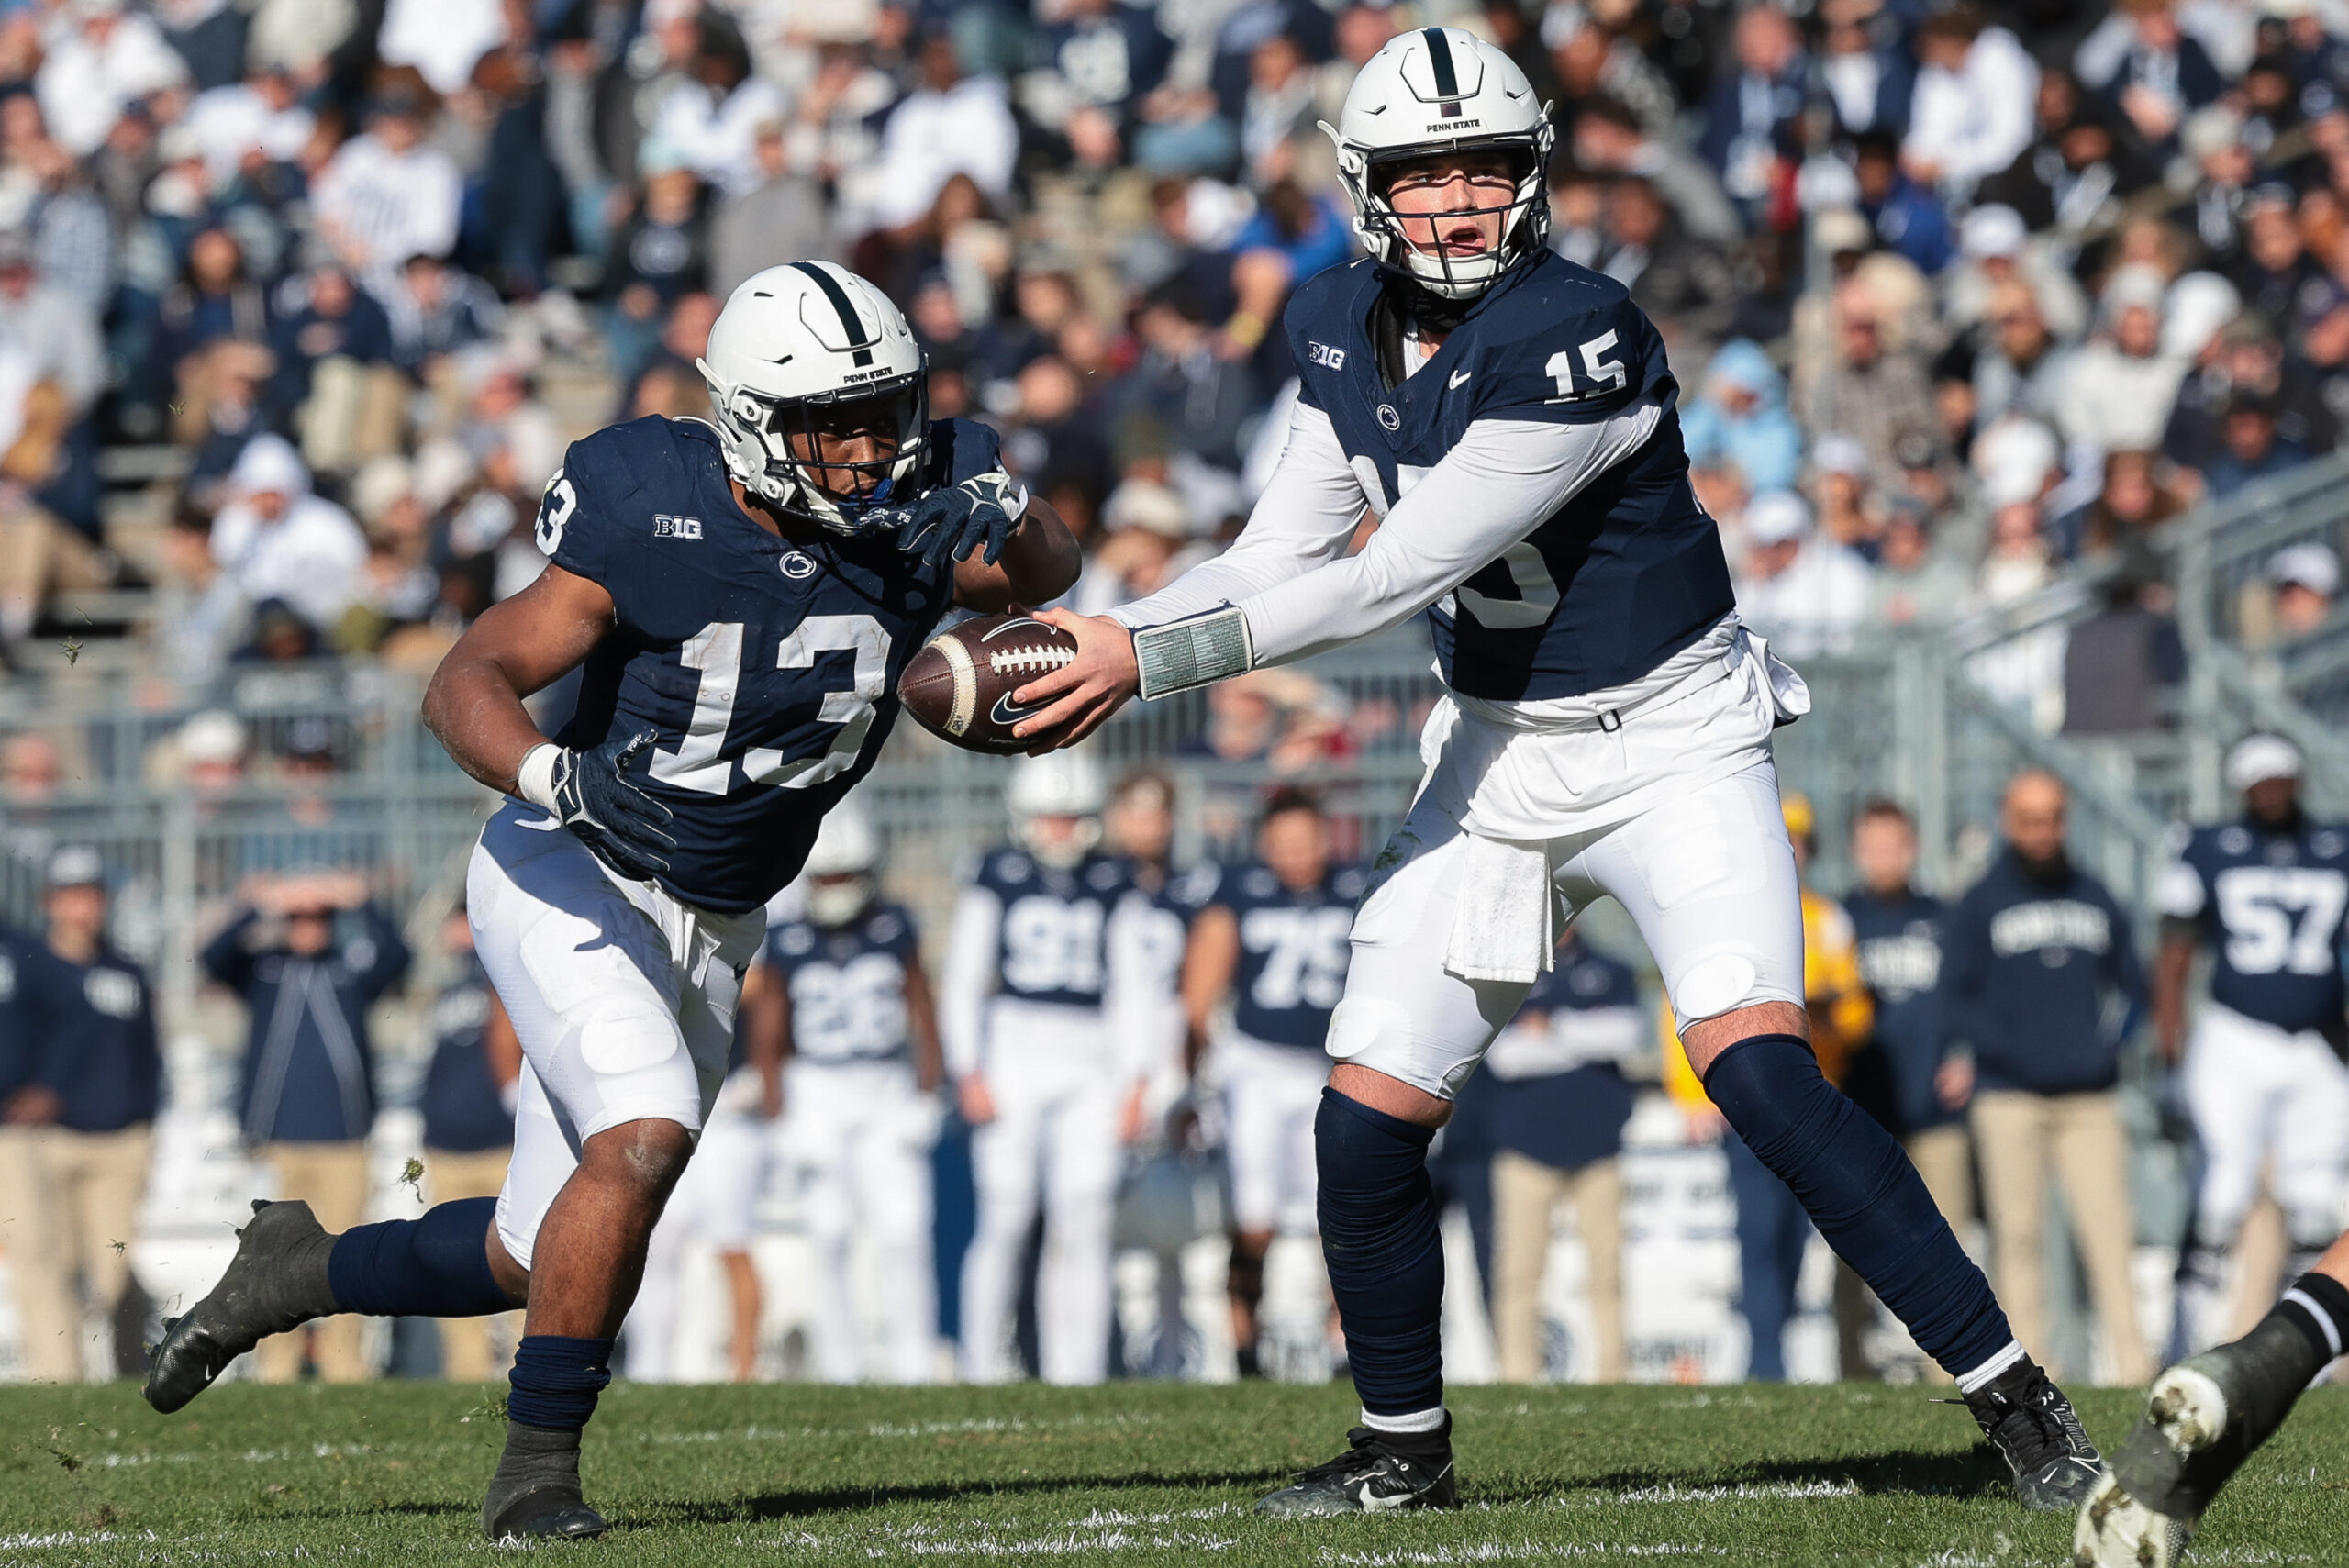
(1503, 480)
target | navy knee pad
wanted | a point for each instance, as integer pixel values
(1379, 1236)
(1859, 1188)
(433, 1266)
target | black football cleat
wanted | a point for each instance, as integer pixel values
(2203, 1417)
(1380, 1471)
(277, 1281)
(2039, 1435)
(546, 1516)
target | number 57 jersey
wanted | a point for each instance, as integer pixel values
(2273, 904)
(767, 669)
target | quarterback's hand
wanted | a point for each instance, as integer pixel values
(951, 522)
(609, 811)
(971, 1097)
(1087, 690)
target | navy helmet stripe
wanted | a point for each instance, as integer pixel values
(1447, 80)
(839, 296)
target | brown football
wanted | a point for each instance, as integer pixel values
(958, 685)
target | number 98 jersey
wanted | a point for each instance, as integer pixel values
(767, 669)
(2272, 905)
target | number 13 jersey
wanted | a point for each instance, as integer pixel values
(1625, 574)
(767, 669)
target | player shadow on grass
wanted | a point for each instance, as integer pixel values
(1902, 1472)
(1922, 1473)
(834, 1499)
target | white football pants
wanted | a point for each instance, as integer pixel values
(856, 1139)
(622, 996)
(1271, 1096)
(2264, 1098)
(1056, 1078)
(1708, 878)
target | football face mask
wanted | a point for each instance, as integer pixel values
(842, 461)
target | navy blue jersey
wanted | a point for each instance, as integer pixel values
(1629, 572)
(88, 1034)
(1292, 953)
(16, 1051)
(1565, 1102)
(768, 670)
(1899, 942)
(1053, 940)
(464, 1112)
(847, 984)
(2272, 906)
(1173, 908)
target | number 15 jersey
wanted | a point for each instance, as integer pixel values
(1628, 570)
(766, 670)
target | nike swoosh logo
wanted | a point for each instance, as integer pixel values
(1371, 1503)
(1457, 377)
(543, 825)
(1005, 712)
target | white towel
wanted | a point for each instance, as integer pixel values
(1501, 925)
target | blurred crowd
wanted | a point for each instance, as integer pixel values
(1960, 299)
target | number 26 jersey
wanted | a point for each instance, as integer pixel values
(766, 670)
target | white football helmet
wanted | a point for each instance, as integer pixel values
(841, 866)
(1442, 90)
(811, 345)
(1063, 786)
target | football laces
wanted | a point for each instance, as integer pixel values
(1029, 658)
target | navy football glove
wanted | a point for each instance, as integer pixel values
(609, 812)
(951, 521)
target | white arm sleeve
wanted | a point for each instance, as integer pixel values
(1502, 481)
(1134, 1001)
(1304, 519)
(969, 979)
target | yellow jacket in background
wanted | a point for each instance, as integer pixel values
(1841, 1011)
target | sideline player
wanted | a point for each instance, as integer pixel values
(840, 1008)
(2206, 1415)
(743, 594)
(1049, 1021)
(2264, 1079)
(1273, 939)
(1510, 418)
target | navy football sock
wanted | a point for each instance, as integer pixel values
(1378, 1233)
(1863, 1194)
(556, 1381)
(434, 1266)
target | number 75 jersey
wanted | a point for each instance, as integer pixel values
(2272, 906)
(766, 670)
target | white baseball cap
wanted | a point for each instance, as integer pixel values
(1992, 230)
(2308, 565)
(2261, 758)
(1774, 516)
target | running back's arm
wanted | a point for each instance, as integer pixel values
(1038, 564)
(518, 646)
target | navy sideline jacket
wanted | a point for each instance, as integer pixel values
(309, 1075)
(2041, 979)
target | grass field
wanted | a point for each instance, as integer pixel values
(1139, 1473)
